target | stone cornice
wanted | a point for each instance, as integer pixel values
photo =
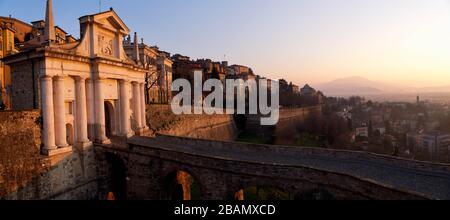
(68, 55)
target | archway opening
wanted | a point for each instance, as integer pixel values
(70, 134)
(181, 186)
(117, 189)
(109, 119)
(263, 193)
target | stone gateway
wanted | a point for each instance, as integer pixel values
(89, 90)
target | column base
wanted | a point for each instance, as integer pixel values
(130, 134)
(56, 151)
(140, 132)
(84, 146)
(146, 131)
(62, 146)
(104, 142)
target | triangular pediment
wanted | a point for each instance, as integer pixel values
(109, 20)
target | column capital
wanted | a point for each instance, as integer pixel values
(124, 81)
(80, 78)
(59, 78)
(89, 80)
(100, 79)
(46, 77)
(135, 82)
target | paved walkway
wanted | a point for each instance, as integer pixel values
(431, 180)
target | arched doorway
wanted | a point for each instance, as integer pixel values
(179, 186)
(262, 193)
(70, 134)
(109, 119)
(117, 177)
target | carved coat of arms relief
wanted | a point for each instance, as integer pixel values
(105, 45)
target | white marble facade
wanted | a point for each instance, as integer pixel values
(90, 90)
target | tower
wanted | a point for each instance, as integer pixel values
(136, 47)
(49, 33)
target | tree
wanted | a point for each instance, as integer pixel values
(151, 79)
(445, 123)
(313, 124)
(332, 130)
(370, 128)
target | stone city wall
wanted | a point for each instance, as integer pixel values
(20, 140)
(289, 119)
(25, 174)
(211, 127)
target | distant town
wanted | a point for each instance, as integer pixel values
(418, 131)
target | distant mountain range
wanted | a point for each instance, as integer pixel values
(357, 85)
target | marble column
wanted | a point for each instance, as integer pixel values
(60, 112)
(48, 134)
(125, 125)
(81, 113)
(100, 124)
(143, 107)
(137, 108)
(90, 109)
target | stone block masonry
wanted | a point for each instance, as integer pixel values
(25, 174)
(20, 140)
(289, 119)
(25, 86)
(209, 127)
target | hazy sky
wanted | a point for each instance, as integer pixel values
(306, 41)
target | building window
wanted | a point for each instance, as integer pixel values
(69, 108)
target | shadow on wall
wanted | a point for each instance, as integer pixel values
(117, 178)
(267, 193)
(180, 186)
(25, 174)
